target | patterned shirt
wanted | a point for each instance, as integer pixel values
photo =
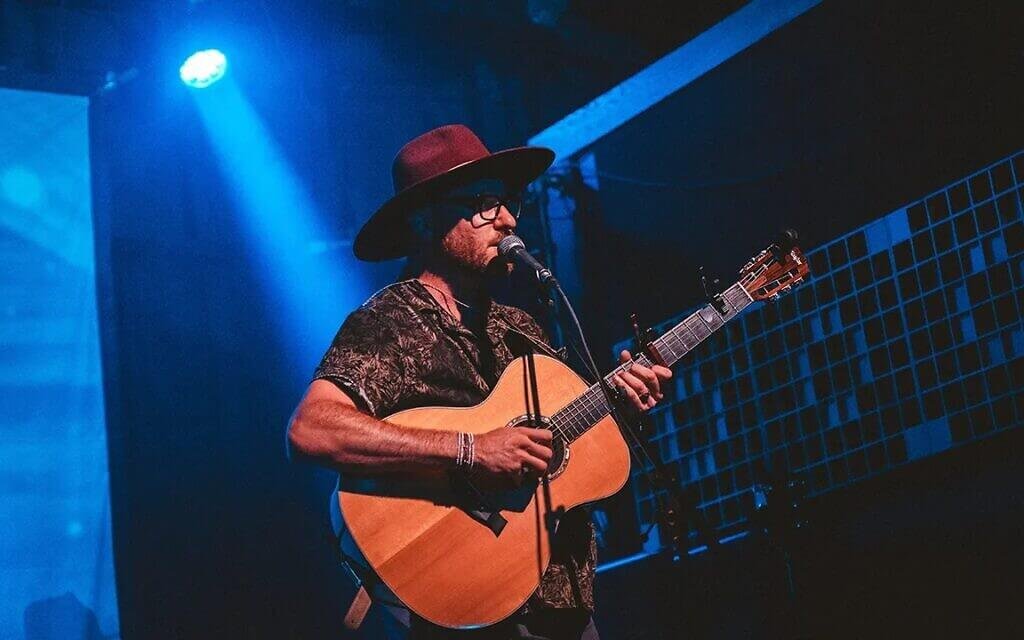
(402, 350)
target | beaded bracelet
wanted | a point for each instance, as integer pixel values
(467, 452)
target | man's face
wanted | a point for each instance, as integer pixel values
(472, 240)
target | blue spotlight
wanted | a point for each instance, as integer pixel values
(203, 68)
(283, 225)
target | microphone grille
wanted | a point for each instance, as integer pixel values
(509, 244)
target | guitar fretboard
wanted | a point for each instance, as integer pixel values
(574, 419)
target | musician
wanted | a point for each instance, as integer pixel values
(437, 339)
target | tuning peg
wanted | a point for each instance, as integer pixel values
(788, 238)
(784, 243)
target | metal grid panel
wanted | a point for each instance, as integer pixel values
(907, 341)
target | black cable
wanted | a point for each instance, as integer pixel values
(610, 395)
(661, 480)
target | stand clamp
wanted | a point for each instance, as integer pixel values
(714, 299)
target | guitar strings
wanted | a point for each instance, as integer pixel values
(566, 419)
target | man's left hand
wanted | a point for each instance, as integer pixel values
(641, 384)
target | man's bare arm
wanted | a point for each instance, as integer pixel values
(329, 430)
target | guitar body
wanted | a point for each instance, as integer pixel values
(449, 567)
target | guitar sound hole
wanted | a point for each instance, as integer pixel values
(559, 457)
(559, 450)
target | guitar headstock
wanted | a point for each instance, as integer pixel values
(774, 271)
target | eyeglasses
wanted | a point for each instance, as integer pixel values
(487, 205)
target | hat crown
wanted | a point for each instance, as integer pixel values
(431, 165)
(434, 153)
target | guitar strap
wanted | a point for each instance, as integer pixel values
(357, 611)
(369, 588)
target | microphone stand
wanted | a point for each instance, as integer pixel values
(671, 500)
(660, 477)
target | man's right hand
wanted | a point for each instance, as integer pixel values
(504, 456)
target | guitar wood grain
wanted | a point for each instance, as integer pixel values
(449, 568)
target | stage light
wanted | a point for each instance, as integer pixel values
(203, 68)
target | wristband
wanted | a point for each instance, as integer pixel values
(466, 455)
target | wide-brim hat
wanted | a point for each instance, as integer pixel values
(429, 166)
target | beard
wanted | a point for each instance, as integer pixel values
(469, 255)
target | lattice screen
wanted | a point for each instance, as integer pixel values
(907, 341)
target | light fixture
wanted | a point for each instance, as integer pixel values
(203, 68)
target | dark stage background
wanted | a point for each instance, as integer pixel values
(208, 336)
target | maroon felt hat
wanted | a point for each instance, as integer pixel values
(429, 166)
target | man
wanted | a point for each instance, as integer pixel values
(436, 339)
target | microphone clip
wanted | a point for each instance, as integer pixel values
(545, 278)
(512, 247)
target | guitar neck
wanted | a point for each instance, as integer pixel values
(591, 407)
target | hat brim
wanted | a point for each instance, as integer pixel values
(386, 234)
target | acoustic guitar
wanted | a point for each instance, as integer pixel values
(464, 558)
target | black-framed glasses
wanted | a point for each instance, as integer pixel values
(486, 205)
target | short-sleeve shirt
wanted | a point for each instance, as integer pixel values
(402, 350)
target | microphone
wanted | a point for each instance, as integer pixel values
(512, 247)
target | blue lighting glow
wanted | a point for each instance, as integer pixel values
(57, 573)
(21, 187)
(312, 288)
(203, 68)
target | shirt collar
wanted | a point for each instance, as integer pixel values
(422, 302)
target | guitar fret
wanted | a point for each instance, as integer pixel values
(695, 340)
(665, 348)
(710, 318)
(575, 418)
(698, 327)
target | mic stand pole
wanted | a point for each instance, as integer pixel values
(660, 478)
(663, 478)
